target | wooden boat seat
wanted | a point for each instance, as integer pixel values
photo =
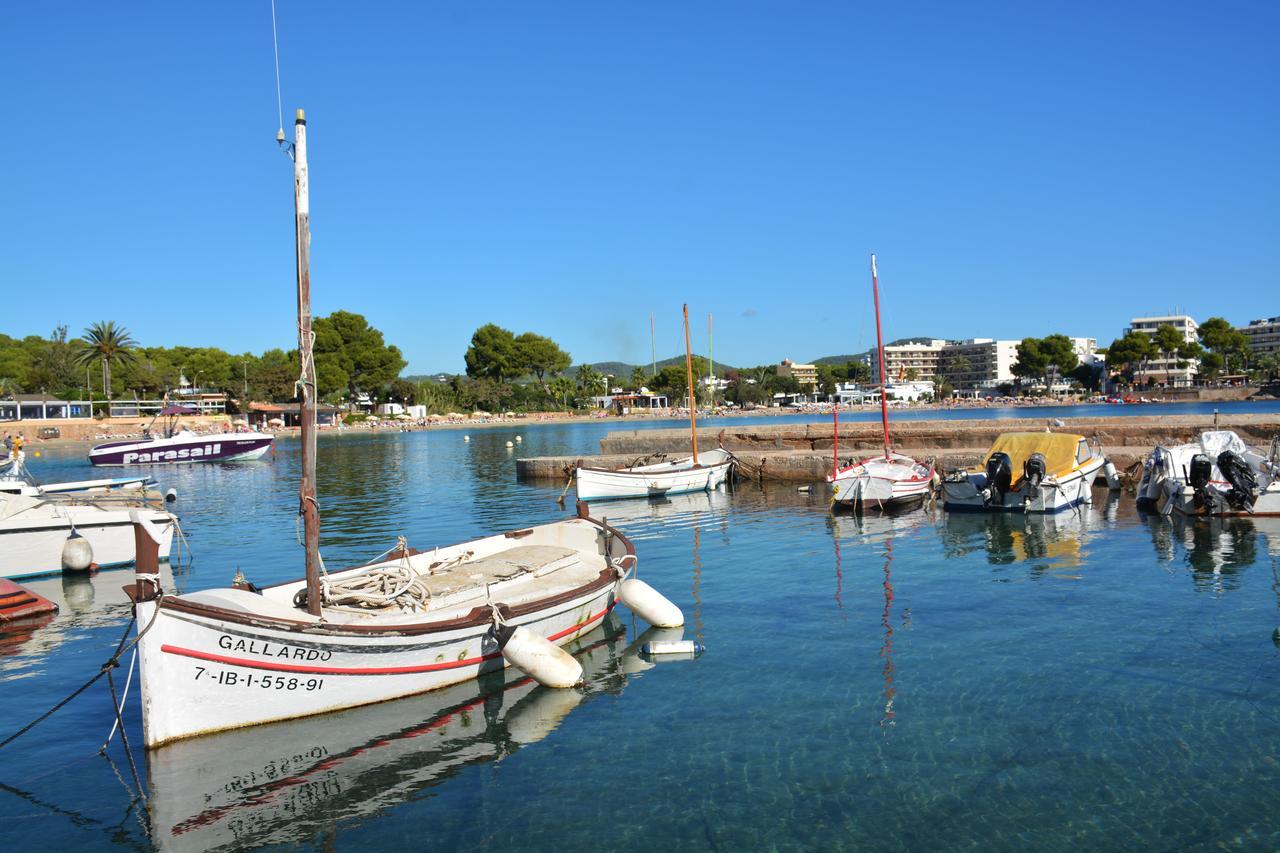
(536, 560)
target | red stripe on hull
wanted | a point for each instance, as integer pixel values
(382, 670)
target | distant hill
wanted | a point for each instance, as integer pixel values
(622, 370)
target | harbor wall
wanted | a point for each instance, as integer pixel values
(804, 452)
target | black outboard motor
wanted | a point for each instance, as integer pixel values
(999, 478)
(1198, 477)
(1201, 472)
(1238, 473)
(1034, 470)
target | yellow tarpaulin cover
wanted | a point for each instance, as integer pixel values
(1059, 449)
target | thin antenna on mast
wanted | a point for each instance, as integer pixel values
(275, 44)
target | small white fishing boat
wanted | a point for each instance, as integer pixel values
(1056, 471)
(889, 482)
(696, 473)
(43, 534)
(406, 623)
(706, 471)
(16, 479)
(1218, 475)
(180, 446)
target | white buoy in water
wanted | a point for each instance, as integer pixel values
(466, 438)
(538, 657)
(171, 496)
(77, 553)
(519, 439)
(511, 444)
(673, 647)
(649, 604)
(1113, 476)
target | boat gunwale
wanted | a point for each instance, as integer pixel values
(630, 472)
(478, 615)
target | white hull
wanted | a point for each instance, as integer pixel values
(1053, 495)
(230, 658)
(664, 478)
(1164, 484)
(878, 482)
(31, 543)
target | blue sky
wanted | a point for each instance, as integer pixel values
(1020, 169)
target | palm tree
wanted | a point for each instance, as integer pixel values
(106, 341)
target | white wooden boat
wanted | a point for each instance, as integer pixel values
(1027, 472)
(1218, 475)
(889, 482)
(699, 472)
(34, 532)
(408, 622)
(896, 482)
(227, 658)
(675, 477)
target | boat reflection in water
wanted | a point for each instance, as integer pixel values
(285, 783)
(1049, 543)
(85, 602)
(648, 518)
(1215, 549)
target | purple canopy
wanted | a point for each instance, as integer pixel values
(178, 410)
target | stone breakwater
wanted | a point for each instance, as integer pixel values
(803, 452)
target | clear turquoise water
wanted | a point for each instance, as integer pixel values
(1088, 681)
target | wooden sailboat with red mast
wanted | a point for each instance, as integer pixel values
(891, 481)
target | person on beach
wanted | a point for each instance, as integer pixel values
(8, 444)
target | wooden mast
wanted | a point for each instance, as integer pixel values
(884, 404)
(693, 401)
(307, 506)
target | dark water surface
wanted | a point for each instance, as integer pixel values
(1091, 680)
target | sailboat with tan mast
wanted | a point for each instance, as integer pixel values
(407, 622)
(699, 472)
(889, 482)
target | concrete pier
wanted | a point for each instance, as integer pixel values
(803, 452)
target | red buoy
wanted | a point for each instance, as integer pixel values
(18, 602)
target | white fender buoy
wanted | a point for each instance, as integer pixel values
(538, 657)
(519, 439)
(171, 496)
(649, 604)
(1113, 476)
(77, 553)
(511, 444)
(466, 438)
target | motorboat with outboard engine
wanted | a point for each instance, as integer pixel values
(177, 446)
(1057, 471)
(1218, 475)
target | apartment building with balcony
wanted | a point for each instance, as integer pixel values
(1161, 370)
(805, 374)
(1263, 335)
(901, 359)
